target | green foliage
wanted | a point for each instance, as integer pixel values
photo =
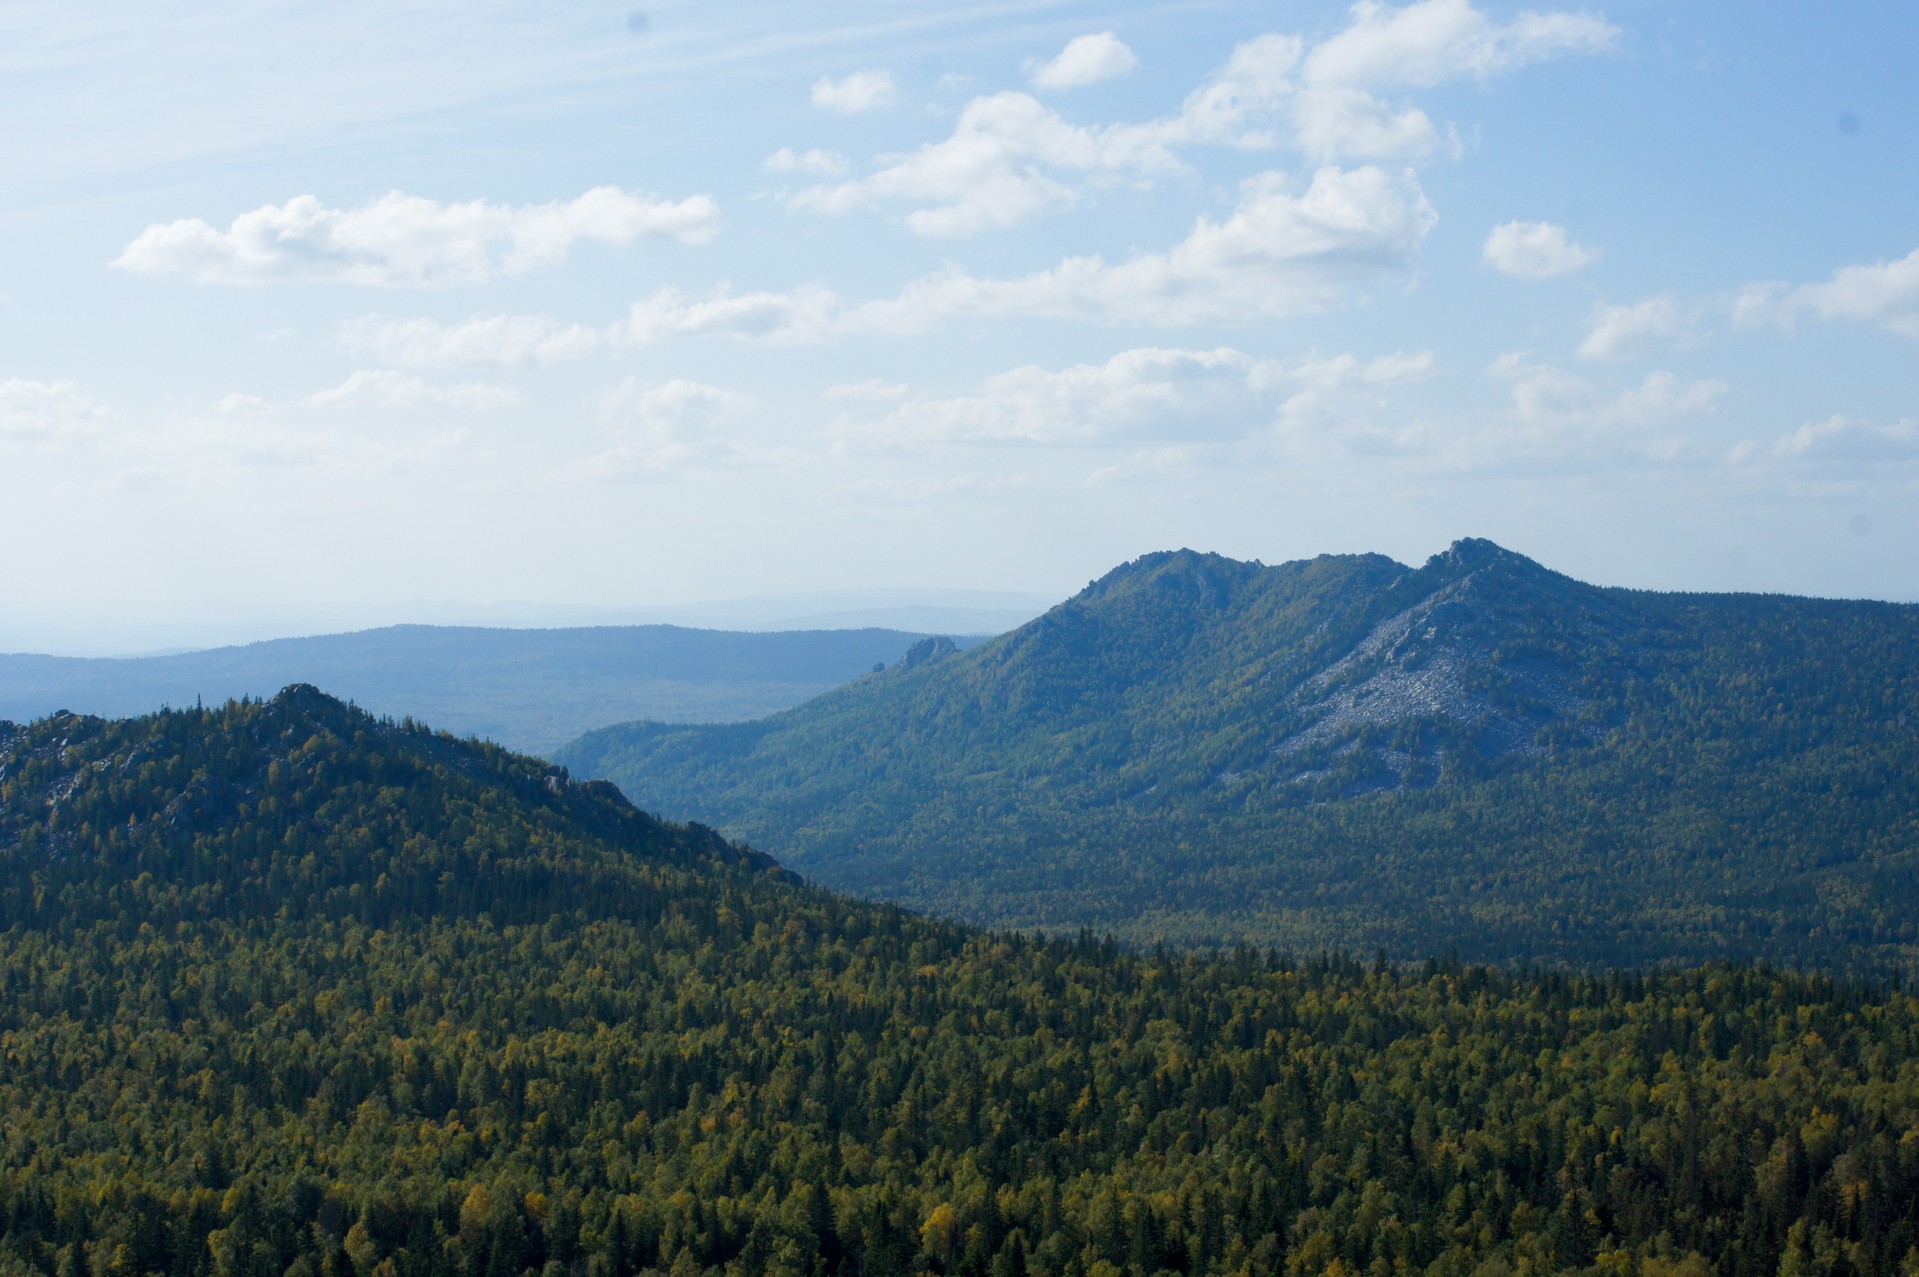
(1476, 754)
(286, 991)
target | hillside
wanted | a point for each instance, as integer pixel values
(285, 990)
(528, 689)
(1477, 754)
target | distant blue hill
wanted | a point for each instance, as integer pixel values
(530, 690)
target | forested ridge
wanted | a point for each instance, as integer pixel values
(1477, 753)
(288, 991)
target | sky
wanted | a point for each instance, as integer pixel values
(314, 316)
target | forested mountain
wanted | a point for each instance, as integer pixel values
(1478, 753)
(287, 991)
(528, 689)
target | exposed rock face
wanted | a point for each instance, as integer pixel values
(926, 651)
(1495, 653)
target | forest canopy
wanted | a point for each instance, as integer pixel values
(287, 990)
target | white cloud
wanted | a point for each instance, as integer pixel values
(1641, 329)
(1544, 395)
(787, 160)
(1010, 157)
(405, 241)
(499, 341)
(386, 389)
(1534, 250)
(1278, 254)
(1848, 440)
(44, 410)
(1326, 388)
(1137, 393)
(1430, 43)
(805, 316)
(663, 427)
(1151, 393)
(1416, 47)
(995, 171)
(1886, 293)
(860, 91)
(1088, 59)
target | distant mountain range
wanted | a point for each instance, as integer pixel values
(1350, 753)
(158, 629)
(531, 690)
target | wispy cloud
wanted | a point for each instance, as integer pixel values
(498, 341)
(660, 428)
(1281, 252)
(1548, 396)
(1846, 440)
(1146, 394)
(787, 160)
(404, 241)
(382, 388)
(34, 411)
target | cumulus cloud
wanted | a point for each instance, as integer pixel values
(1431, 43)
(405, 241)
(1419, 46)
(1641, 329)
(43, 410)
(498, 341)
(1088, 59)
(787, 160)
(1281, 252)
(1010, 157)
(1885, 293)
(663, 427)
(1146, 394)
(860, 91)
(387, 389)
(997, 169)
(1534, 250)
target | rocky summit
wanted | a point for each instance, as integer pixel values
(1349, 752)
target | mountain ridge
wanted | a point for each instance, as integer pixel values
(1213, 751)
(526, 688)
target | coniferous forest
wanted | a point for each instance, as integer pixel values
(290, 991)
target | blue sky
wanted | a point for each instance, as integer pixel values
(314, 316)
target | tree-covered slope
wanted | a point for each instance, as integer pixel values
(1476, 753)
(528, 689)
(285, 990)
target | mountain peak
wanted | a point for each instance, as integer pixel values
(1474, 552)
(1196, 574)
